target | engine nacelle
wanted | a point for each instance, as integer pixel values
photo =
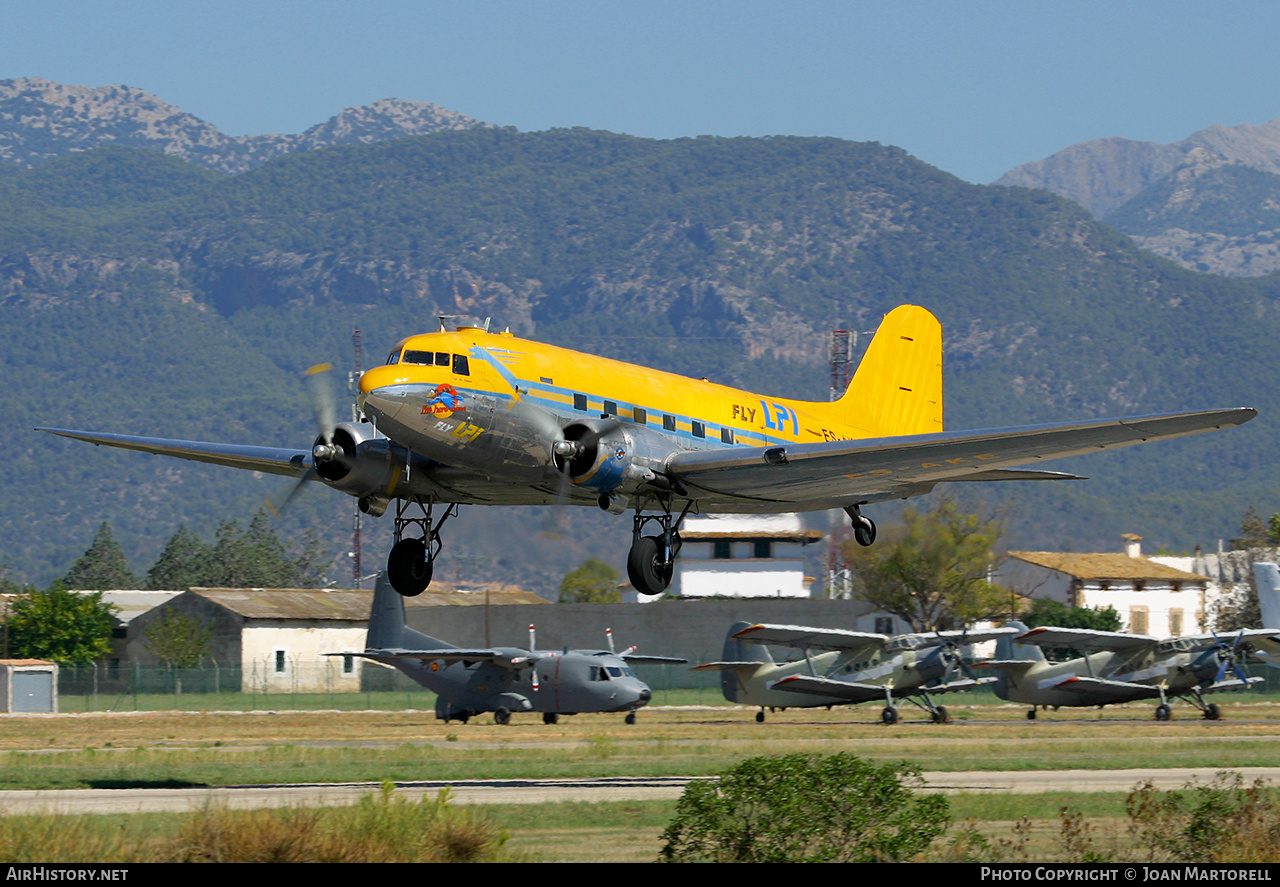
(611, 457)
(361, 462)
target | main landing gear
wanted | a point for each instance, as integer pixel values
(864, 528)
(651, 563)
(411, 562)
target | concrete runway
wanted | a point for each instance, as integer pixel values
(533, 791)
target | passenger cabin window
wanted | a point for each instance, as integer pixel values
(580, 402)
(610, 408)
(669, 423)
(460, 365)
(639, 416)
(699, 430)
(726, 435)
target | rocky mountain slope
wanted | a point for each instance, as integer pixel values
(41, 119)
(1208, 202)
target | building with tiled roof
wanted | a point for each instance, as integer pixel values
(1151, 597)
(282, 639)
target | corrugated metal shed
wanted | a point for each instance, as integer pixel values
(346, 605)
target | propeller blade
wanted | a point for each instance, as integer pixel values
(322, 402)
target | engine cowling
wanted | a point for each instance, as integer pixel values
(612, 458)
(361, 462)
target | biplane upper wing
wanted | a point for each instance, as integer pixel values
(1086, 639)
(272, 460)
(872, 470)
(803, 637)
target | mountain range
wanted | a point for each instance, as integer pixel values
(1209, 202)
(145, 292)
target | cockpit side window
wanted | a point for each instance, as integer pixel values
(393, 358)
(422, 358)
(460, 365)
(442, 358)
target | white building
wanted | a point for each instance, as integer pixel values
(743, 556)
(1151, 596)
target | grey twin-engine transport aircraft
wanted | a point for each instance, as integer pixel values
(504, 680)
(1118, 667)
(849, 667)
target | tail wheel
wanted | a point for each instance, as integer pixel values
(408, 567)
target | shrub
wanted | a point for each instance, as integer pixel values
(805, 808)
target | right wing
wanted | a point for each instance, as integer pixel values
(271, 460)
(1086, 639)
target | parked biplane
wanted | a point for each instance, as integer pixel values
(1117, 667)
(504, 680)
(842, 667)
(473, 417)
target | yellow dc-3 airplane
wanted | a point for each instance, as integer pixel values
(473, 417)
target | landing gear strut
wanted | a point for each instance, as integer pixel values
(651, 563)
(864, 528)
(411, 562)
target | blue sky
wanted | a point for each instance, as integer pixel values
(973, 88)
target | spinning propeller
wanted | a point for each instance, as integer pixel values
(320, 397)
(1227, 659)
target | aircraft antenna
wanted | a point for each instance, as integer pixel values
(356, 571)
(840, 345)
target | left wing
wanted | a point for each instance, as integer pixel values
(1086, 639)
(1100, 691)
(502, 658)
(271, 460)
(803, 637)
(894, 467)
(641, 659)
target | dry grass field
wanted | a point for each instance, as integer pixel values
(214, 748)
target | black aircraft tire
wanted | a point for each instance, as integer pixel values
(550, 717)
(864, 531)
(1212, 712)
(502, 717)
(646, 574)
(1163, 712)
(889, 715)
(408, 568)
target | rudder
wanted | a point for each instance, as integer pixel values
(897, 389)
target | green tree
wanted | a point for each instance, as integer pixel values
(805, 808)
(1044, 611)
(178, 640)
(931, 569)
(237, 558)
(60, 625)
(179, 565)
(103, 566)
(595, 582)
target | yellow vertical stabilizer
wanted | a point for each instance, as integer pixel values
(898, 387)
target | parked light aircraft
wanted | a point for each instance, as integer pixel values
(472, 417)
(505, 680)
(1118, 667)
(1267, 579)
(848, 667)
